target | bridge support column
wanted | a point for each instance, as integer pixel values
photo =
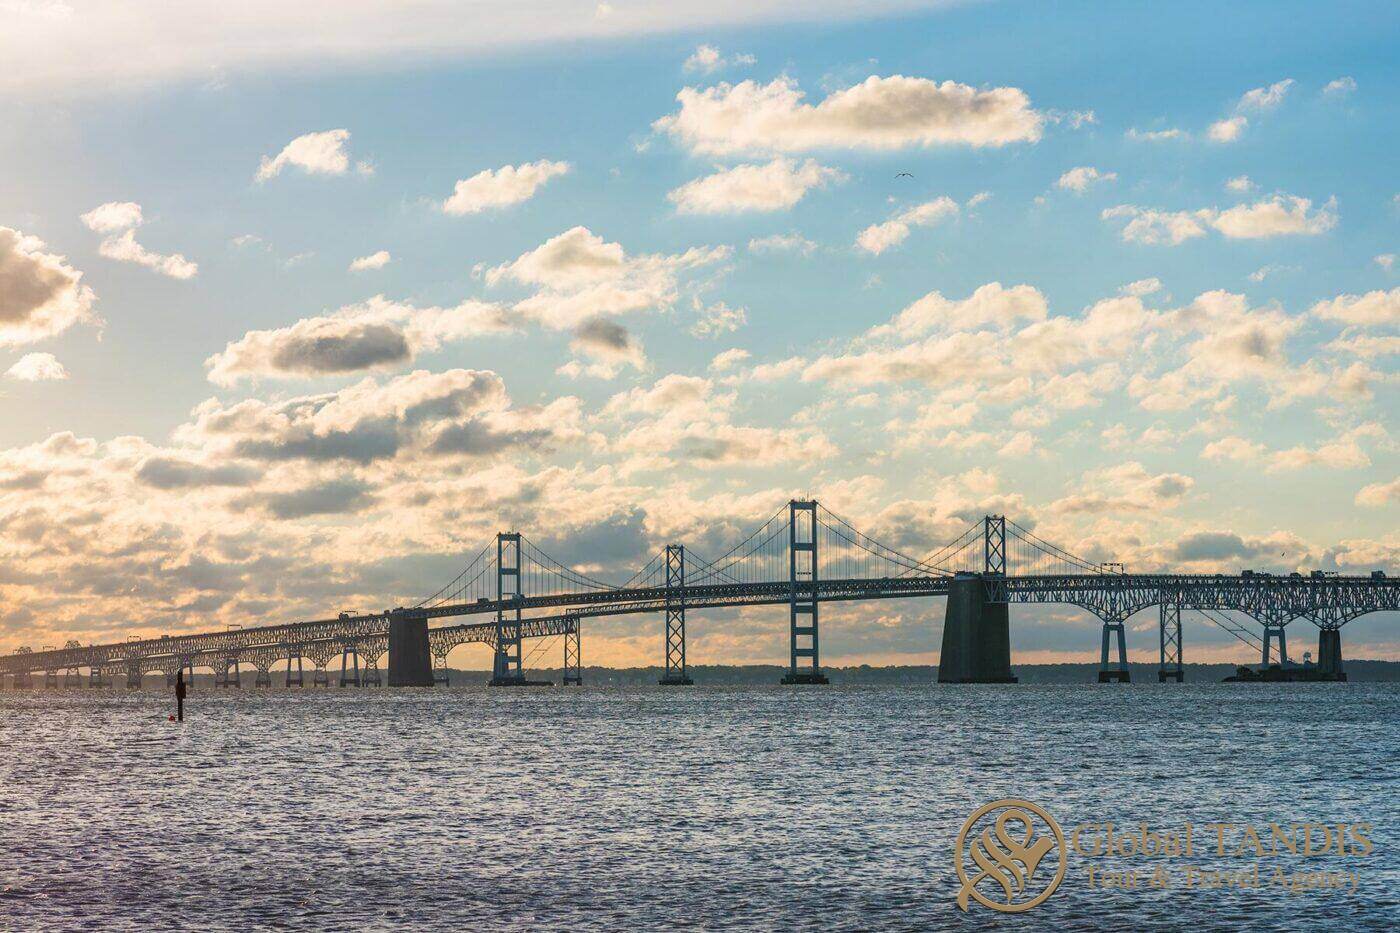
(1275, 632)
(1169, 667)
(294, 657)
(675, 673)
(24, 680)
(506, 672)
(97, 679)
(573, 658)
(976, 635)
(440, 668)
(1120, 673)
(803, 623)
(320, 677)
(51, 680)
(227, 674)
(371, 676)
(1329, 654)
(347, 654)
(410, 661)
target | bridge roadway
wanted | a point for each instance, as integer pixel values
(1328, 601)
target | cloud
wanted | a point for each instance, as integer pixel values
(378, 334)
(728, 359)
(1142, 287)
(1379, 495)
(320, 153)
(336, 497)
(608, 343)
(113, 216)
(1079, 179)
(782, 243)
(1128, 487)
(373, 261)
(1265, 98)
(126, 216)
(1385, 260)
(1233, 448)
(775, 186)
(1240, 183)
(1227, 130)
(706, 59)
(717, 319)
(989, 304)
(124, 248)
(1373, 309)
(502, 187)
(41, 295)
(109, 45)
(579, 276)
(897, 112)
(877, 238)
(1279, 215)
(1154, 136)
(37, 367)
(1148, 225)
(1339, 87)
(164, 472)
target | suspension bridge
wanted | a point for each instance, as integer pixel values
(512, 594)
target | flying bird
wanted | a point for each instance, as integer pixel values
(904, 175)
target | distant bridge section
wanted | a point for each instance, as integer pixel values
(803, 556)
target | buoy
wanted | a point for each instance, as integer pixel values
(172, 718)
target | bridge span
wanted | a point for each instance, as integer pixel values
(802, 556)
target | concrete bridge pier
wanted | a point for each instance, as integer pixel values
(976, 636)
(1278, 632)
(1119, 674)
(1329, 653)
(410, 660)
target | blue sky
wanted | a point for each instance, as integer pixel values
(1139, 291)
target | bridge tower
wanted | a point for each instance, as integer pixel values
(506, 671)
(675, 673)
(803, 625)
(573, 658)
(994, 544)
(1169, 628)
(410, 655)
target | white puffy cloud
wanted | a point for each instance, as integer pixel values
(37, 367)
(729, 359)
(1233, 448)
(40, 294)
(113, 216)
(706, 59)
(877, 238)
(1127, 487)
(321, 153)
(1142, 287)
(1377, 495)
(1148, 225)
(377, 260)
(1266, 98)
(1279, 215)
(502, 187)
(124, 248)
(1373, 309)
(1079, 179)
(126, 216)
(1385, 260)
(579, 276)
(717, 319)
(1338, 87)
(378, 334)
(1227, 130)
(896, 112)
(989, 304)
(775, 186)
(1240, 183)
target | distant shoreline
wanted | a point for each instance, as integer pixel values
(1358, 671)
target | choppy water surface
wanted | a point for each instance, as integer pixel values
(711, 808)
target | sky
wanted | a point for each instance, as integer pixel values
(299, 307)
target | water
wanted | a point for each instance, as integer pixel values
(709, 808)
